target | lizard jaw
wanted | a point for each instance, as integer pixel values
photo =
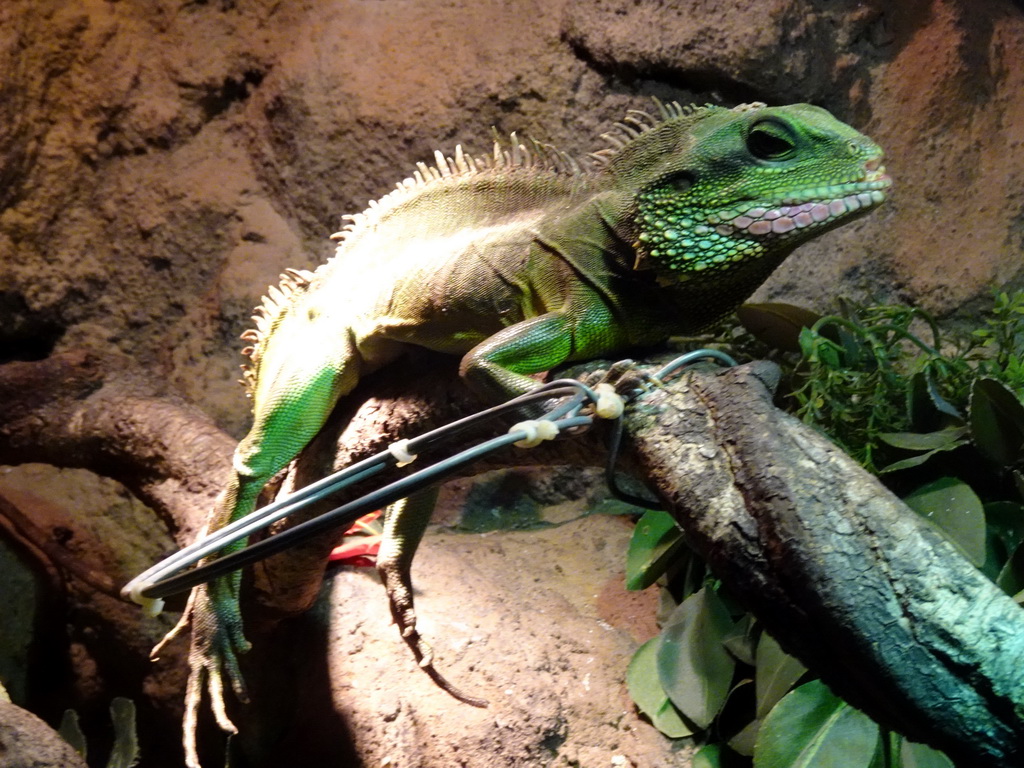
(812, 208)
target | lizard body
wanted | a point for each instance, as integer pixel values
(520, 262)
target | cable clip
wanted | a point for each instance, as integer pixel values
(400, 450)
(151, 606)
(610, 404)
(537, 431)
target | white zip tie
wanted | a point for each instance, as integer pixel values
(610, 404)
(400, 450)
(537, 431)
(150, 606)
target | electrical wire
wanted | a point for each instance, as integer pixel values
(617, 428)
(166, 577)
(565, 398)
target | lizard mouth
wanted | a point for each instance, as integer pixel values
(811, 208)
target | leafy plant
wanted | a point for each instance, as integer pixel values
(125, 752)
(937, 414)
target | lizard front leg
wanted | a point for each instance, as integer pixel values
(497, 367)
(404, 524)
(214, 615)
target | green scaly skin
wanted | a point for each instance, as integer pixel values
(519, 263)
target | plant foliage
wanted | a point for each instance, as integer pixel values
(937, 414)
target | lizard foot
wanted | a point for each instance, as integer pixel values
(399, 591)
(624, 376)
(217, 640)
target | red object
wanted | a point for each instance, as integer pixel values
(361, 548)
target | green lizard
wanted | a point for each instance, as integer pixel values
(519, 262)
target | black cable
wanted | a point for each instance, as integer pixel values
(347, 513)
(612, 480)
(564, 415)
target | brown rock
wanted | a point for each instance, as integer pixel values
(28, 742)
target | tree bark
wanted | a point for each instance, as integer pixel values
(847, 578)
(98, 413)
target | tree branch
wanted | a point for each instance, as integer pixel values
(82, 410)
(848, 579)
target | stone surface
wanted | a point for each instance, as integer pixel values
(28, 742)
(544, 637)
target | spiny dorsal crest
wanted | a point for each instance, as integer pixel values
(265, 317)
(637, 123)
(516, 155)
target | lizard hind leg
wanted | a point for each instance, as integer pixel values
(294, 395)
(405, 522)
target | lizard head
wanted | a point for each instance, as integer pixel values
(734, 191)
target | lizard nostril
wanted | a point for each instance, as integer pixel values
(873, 164)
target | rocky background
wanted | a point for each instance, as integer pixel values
(161, 162)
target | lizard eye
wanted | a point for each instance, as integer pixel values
(678, 182)
(768, 140)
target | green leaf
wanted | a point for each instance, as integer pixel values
(655, 541)
(924, 403)
(813, 728)
(740, 640)
(648, 695)
(911, 441)
(996, 419)
(776, 673)
(709, 756)
(1004, 522)
(694, 667)
(857, 351)
(71, 731)
(125, 753)
(1005, 519)
(777, 325)
(931, 442)
(887, 751)
(957, 511)
(744, 740)
(913, 461)
(717, 756)
(941, 440)
(996, 556)
(816, 348)
(1011, 576)
(914, 755)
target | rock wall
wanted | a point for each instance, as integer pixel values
(161, 162)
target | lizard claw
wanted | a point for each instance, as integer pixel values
(217, 640)
(623, 377)
(399, 591)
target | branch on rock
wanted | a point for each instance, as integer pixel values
(82, 410)
(845, 577)
(850, 581)
(48, 553)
